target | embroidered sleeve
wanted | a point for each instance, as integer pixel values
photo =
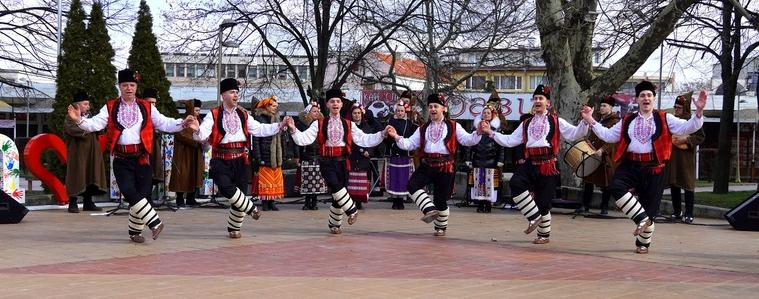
(366, 140)
(610, 135)
(510, 140)
(97, 122)
(163, 123)
(258, 129)
(308, 136)
(680, 126)
(571, 132)
(205, 128)
(409, 144)
(465, 138)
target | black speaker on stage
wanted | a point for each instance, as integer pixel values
(745, 216)
(11, 211)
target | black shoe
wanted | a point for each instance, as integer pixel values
(359, 205)
(265, 205)
(73, 208)
(688, 219)
(306, 205)
(488, 207)
(604, 212)
(314, 205)
(273, 206)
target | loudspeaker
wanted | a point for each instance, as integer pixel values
(11, 211)
(745, 216)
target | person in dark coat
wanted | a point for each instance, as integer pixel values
(85, 170)
(682, 164)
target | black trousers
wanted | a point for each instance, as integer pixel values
(229, 175)
(424, 175)
(528, 178)
(647, 184)
(134, 180)
(334, 173)
(677, 202)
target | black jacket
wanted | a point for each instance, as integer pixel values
(405, 128)
(357, 158)
(261, 148)
(309, 152)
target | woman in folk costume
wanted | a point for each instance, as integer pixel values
(682, 163)
(359, 177)
(310, 181)
(129, 123)
(486, 160)
(604, 151)
(534, 183)
(188, 161)
(335, 137)
(267, 157)
(228, 129)
(438, 139)
(645, 141)
(400, 165)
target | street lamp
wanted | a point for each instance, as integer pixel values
(228, 23)
(738, 146)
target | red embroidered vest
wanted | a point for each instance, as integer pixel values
(217, 131)
(321, 136)
(450, 138)
(552, 137)
(661, 140)
(114, 128)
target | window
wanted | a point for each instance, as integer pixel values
(272, 71)
(302, 71)
(169, 69)
(200, 70)
(282, 72)
(180, 70)
(252, 72)
(190, 70)
(241, 70)
(475, 82)
(507, 82)
(261, 71)
(211, 71)
(230, 70)
(537, 80)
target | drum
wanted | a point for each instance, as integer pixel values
(580, 157)
(683, 146)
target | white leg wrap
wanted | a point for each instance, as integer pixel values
(646, 236)
(422, 200)
(527, 205)
(544, 227)
(441, 222)
(335, 217)
(630, 205)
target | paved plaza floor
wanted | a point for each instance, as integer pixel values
(386, 254)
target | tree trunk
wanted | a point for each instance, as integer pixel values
(729, 84)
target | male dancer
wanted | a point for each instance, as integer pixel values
(335, 136)
(438, 139)
(129, 122)
(227, 128)
(540, 135)
(644, 147)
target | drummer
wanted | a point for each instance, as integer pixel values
(604, 151)
(540, 135)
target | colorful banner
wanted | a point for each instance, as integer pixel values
(9, 160)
